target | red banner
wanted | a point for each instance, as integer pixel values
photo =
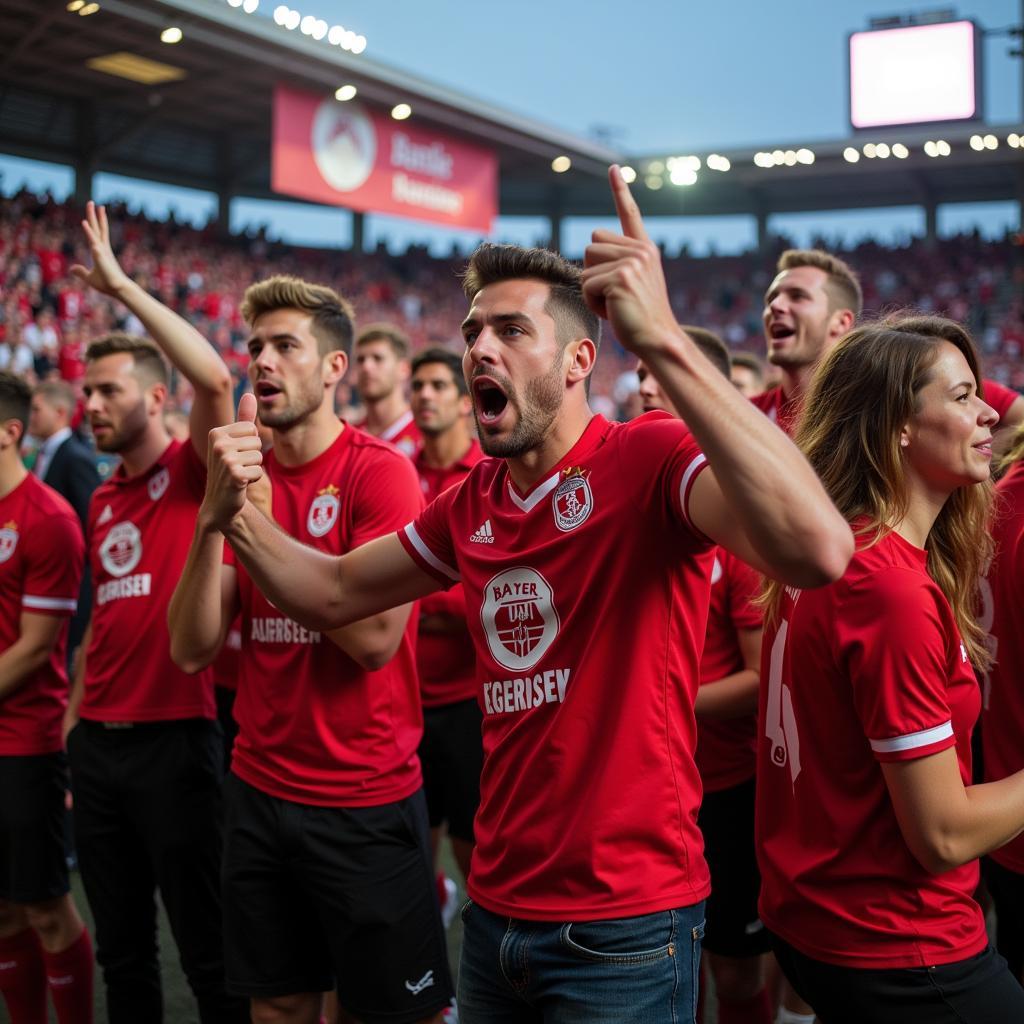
(345, 154)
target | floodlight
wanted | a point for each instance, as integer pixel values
(991, 142)
(307, 25)
(171, 35)
(345, 93)
(851, 155)
(900, 151)
(628, 174)
(804, 156)
(358, 44)
(76, 5)
(294, 19)
(882, 151)
(561, 164)
(943, 147)
(653, 182)
(683, 175)
(88, 9)
(249, 6)
(656, 167)
(281, 14)
(401, 111)
(319, 29)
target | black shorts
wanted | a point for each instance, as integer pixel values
(979, 990)
(726, 820)
(323, 897)
(33, 868)
(452, 755)
(1006, 888)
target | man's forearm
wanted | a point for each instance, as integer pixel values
(195, 615)
(771, 490)
(18, 663)
(186, 348)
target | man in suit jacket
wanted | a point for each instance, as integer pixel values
(68, 465)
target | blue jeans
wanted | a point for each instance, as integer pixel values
(630, 970)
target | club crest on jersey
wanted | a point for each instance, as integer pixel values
(323, 513)
(121, 549)
(519, 617)
(572, 501)
(8, 540)
(157, 484)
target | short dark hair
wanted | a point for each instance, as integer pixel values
(15, 399)
(712, 346)
(491, 264)
(447, 358)
(149, 363)
(843, 284)
(333, 316)
(385, 332)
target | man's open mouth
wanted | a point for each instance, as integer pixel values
(489, 398)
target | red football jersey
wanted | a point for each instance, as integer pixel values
(42, 555)
(777, 408)
(140, 529)
(315, 727)
(446, 661)
(727, 747)
(403, 434)
(1003, 709)
(869, 669)
(999, 396)
(587, 606)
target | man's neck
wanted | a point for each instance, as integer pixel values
(562, 436)
(445, 449)
(382, 413)
(795, 380)
(140, 458)
(304, 441)
(12, 471)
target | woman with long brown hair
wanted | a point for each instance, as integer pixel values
(869, 831)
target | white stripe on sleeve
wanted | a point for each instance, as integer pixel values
(428, 556)
(692, 469)
(913, 740)
(50, 604)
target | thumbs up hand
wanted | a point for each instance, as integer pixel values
(234, 464)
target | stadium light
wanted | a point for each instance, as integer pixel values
(628, 174)
(717, 162)
(319, 29)
(790, 158)
(778, 156)
(345, 93)
(851, 155)
(656, 167)
(991, 142)
(171, 35)
(931, 149)
(336, 35)
(653, 182)
(977, 143)
(88, 9)
(358, 45)
(763, 159)
(900, 151)
(870, 150)
(294, 19)
(804, 156)
(281, 13)
(76, 5)
(307, 25)
(235, 3)
(682, 175)
(249, 6)
(561, 164)
(882, 151)
(1013, 140)
(401, 111)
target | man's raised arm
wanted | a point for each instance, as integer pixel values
(319, 590)
(183, 345)
(760, 498)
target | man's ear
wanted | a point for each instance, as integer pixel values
(583, 354)
(335, 363)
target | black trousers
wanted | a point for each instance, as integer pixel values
(148, 816)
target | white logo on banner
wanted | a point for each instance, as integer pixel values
(344, 144)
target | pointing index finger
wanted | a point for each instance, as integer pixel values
(625, 205)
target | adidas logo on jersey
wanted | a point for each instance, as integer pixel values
(105, 516)
(485, 535)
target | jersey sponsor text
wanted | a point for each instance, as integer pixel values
(269, 630)
(139, 585)
(507, 696)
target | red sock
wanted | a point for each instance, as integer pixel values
(23, 978)
(69, 974)
(755, 1010)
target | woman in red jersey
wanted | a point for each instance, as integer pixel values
(868, 829)
(1002, 713)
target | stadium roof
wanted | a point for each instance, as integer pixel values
(209, 126)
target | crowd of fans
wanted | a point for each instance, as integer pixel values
(47, 317)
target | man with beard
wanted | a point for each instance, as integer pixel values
(382, 372)
(451, 752)
(814, 299)
(142, 737)
(587, 614)
(327, 869)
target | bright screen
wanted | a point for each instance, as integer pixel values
(913, 75)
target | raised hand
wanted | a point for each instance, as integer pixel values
(623, 281)
(106, 274)
(233, 462)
